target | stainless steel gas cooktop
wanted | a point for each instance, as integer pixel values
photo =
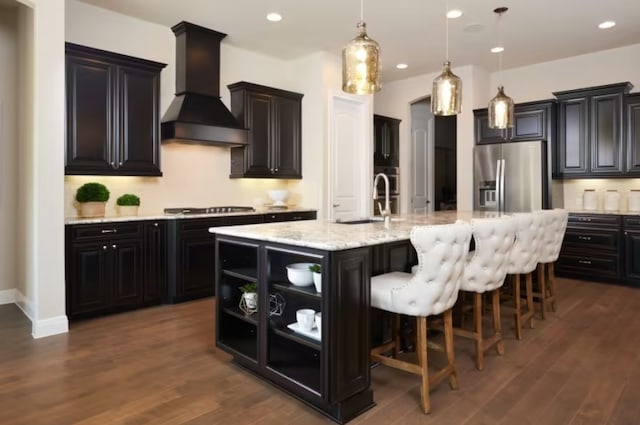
(207, 210)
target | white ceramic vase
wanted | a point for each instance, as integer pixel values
(317, 281)
(92, 209)
(251, 300)
(128, 210)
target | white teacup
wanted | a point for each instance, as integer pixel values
(319, 322)
(305, 318)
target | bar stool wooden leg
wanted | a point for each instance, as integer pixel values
(448, 345)
(477, 321)
(396, 335)
(552, 286)
(497, 323)
(516, 301)
(421, 348)
(530, 308)
(542, 287)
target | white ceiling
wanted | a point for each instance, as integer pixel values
(410, 31)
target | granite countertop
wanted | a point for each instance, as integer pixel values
(332, 236)
(620, 212)
(163, 216)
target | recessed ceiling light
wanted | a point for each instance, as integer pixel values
(402, 66)
(497, 49)
(606, 24)
(454, 13)
(274, 17)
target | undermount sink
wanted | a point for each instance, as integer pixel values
(367, 220)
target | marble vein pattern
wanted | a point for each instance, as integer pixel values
(335, 236)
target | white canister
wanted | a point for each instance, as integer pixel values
(589, 200)
(633, 203)
(611, 200)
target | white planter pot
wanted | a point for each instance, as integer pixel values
(317, 281)
(128, 210)
(92, 209)
(251, 300)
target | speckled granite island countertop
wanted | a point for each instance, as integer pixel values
(332, 236)
(164, 216)
(619, 212)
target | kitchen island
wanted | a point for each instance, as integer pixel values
(329, 370)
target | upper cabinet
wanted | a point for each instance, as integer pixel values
(633, 134)
(273, 117)
(533, 121)
(113, 113)
(386, 133)
(591, 131)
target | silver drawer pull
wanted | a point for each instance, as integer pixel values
(103, 231)
(584, 261)
(585, 219)
(584, 238)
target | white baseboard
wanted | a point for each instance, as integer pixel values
(47, 327)
(24, 304)
(8, 296)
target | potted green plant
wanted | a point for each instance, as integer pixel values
(249, 297)
(317, 276)
(91, 198)
(128, 204)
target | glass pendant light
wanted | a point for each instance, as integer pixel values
(446, 95)
(501, 107)
(360, 62)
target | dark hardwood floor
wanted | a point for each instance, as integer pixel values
(159, 366)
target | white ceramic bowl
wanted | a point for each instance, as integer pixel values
(299, 274)
(278, 196)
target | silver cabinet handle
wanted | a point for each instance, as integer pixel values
(104, 247)
(584, 261)
(103, 231)
(584, 238)
(114, 246)
(155, 224)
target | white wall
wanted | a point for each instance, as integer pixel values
(203, 169)
(8, 151)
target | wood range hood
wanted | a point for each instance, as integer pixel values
(197, 114)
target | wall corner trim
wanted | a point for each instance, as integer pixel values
(47, 327)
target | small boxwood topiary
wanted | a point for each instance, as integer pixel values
(92, 192)
(128, 199)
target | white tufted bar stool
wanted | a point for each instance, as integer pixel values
(523, 261)
(553, 229)
(485, 272)
(432, 290)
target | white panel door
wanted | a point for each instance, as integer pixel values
(421, 183)
(350, 158)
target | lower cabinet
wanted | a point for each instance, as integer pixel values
(601, 247)
(326, 368)
(107, 269)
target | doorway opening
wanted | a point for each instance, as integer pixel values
(433, 159)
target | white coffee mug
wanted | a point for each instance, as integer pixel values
(319, 322)
(305, 318)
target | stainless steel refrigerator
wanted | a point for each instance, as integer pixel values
(511, 177)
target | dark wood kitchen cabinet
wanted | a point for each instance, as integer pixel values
(633, 135)
(273, 118)
(105, 268)
(155, 262)
(113, 113)
(591, 129)
(532, 121)
(631, 234)
(386, 137)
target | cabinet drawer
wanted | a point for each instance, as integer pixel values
(592, 239)
(200, 225)
(290, 216)
(601, 265)
(244, 219)
(595, 219)
(102, 230)
(632, 221)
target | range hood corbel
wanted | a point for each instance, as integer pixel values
(197, 114)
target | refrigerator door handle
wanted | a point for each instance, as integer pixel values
(498, 185)
(502, 191)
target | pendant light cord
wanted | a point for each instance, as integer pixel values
(446, 30)
(362, 11)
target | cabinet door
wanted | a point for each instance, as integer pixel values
(139, 123)
(90, 115)
(529, 125)
(259, 119)
(197, 266)
(485, 134)
(87, 274)
(633, 135)
(386, 141)
(155, 262)
(286, 142)
(573, 137)
(632, 256)
(126, 273)
(606, 133)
